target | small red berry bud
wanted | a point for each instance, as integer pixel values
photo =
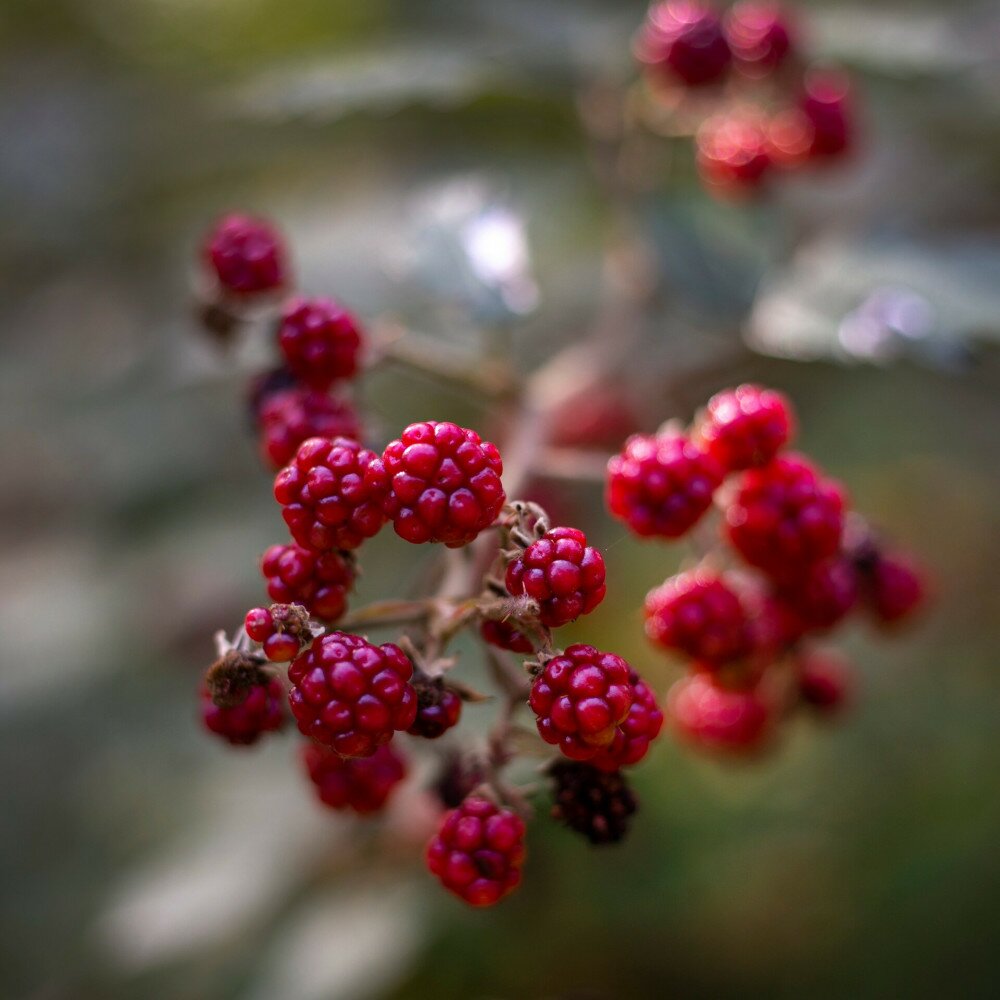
(259, 624)
(246, 256)
(319, 582)
(320, 340)
(825, 679)
(716, 718)
(683, 41)
(505, 636)
(362, 785)
(745, 427)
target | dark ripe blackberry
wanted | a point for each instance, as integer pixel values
(595, 803)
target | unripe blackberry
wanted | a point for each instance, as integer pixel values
(562, 573)
(893, 587)
(683, 41)
(246, 256)
(599, 804)
(444, 483)
(824, 104)
(294, 415)
(733, 154)
(698, 614)
(320, 582)
(478, 852)
(362, 785)
(262, 711)
(580, 697)
(823, 595)
(758, 36)
(785, 516)
(503, 635)
(332, 494)
(716, 718)
(661, 485)
(825, 679)
(439, 708)
(281, 629)
(745, 427)
(633, 737)
(320, 340)
(350, 695)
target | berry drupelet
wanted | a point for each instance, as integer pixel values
(320, 582)
(282, 630)
(661, 486)
(350, 695)
(598, 804)
(580, 698)
(745, 427)
(320, 341)
(246, 256)
(261, 711)
(682, 41)
(362, 785)
(716, 718)
(504, 635)
(562, 573)
(444, 483)
(439, 708)
(785, 516)
(633, 737)
(287, 418)
(478, 852)
(332, 494)
(698, 614)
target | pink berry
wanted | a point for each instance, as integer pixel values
(824, 104)
(319, 582)
(291, 416)
(825, 679)
(580, 697)
(823, 595)
(332, 494)
(562, 573)
(758, 35)
(478, 852)
(683, 40)
(503, 635)
(444, 484)
(698, 614)
(246, 255)
(320, 340)
(716, 718)
(362, 785)
(733, 154)
(745, 427)
(661, 485)
(785, 516)
(439, 708)
(261, 712)
(259, 624)
(350, 695)
(633, 737)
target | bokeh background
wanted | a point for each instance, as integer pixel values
(138, 858)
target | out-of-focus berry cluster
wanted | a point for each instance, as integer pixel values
(743, 80)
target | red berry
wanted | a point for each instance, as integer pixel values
(825, 679)
(758, 36)
(824, 594)
(580, 697)
(319, 582)
(445, 483)
(291, 416)
(350, 695)
(733, 153)
(785, 516)
(745, 427)
(259, 624)
(632, 738)
(332, 494)
(321, 341)
(683, 40)
(825, 107)
(718, 718)
(438, 709)
(505, 636)
(478, 852)
(261, 712)
(362, 784)
(562, 573)
(246, 255)
(698, 614)
(281, 647)
(895, 588)
(661, 485)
